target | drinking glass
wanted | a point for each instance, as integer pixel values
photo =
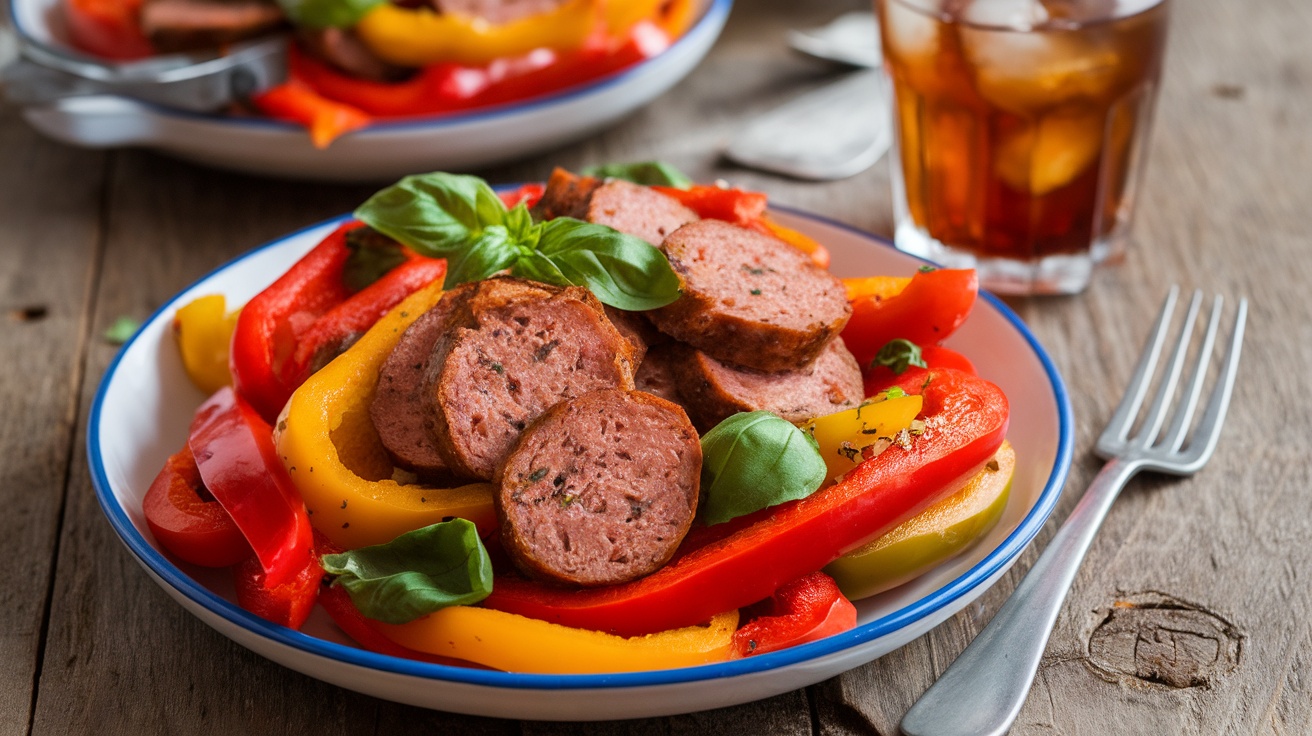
(1021, 127)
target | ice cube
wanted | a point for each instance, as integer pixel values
(1028, 71)
(911, 29)
(1019, 15)
(1051, 152)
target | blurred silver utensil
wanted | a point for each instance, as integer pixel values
(833, 132)
(984, 689)
(829, 133)
(200, 82)
(851, 38)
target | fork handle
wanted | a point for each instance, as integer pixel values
(982, 692)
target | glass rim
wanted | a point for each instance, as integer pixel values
(1139, 7)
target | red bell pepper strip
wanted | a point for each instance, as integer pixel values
(341, 325)
(107, 28)
(528, 194)
(880, 377)
(731, 565)
(928, 309)
(297, 102)
(273, 322)
(809, 608)
(288, 604)
(738, 206)
(449, 87)
(186, 519)
(237, 460)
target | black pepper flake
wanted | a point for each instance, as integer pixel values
(343, 503)
(423, 500)
(282, 425)
(404, 313)
(346, 525)
(541, 353)
(751, 645)
(993, 465)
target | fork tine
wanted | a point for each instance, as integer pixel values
(1166, 389)
(1209, 427)
(1175, 434)
(1118, 427)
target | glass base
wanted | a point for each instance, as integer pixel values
(1057, 274)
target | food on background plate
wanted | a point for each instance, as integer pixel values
(352, 62)
(496, 447)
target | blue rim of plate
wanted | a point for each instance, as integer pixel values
(710, 22)
(993, 563)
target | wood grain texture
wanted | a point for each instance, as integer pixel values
(94, 236)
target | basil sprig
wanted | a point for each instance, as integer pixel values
(649, 173)
(754, 460)
(899, 355)
(460, 218)
(327, 13)
(417, 573)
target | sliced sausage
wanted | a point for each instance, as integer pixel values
(600, 489)
(713, 391)
(630, 208)
(187, 25)
(656, 377)
(343, 50)
(514, 350)
(750, 299)
(397, 409)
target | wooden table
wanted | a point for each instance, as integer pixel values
(1191, 615)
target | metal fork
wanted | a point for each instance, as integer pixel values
(983, 690)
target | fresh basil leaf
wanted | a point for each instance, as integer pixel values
(649, 173)
(490, 253)
(538, 267)
(419, 572)
(755, 460)
(623, 271)
(899, 355)
(327, 13)
(520, 225)
(446, 216)
(372, 255)
(121, 330)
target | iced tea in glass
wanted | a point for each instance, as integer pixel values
(1021, 127)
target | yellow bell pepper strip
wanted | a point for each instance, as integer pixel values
(877, 288)
(203, 328)
(936, 534)
(332, 452)
(514, 643)
(850, 437)
(419, 36)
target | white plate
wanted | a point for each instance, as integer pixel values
(144, 406)
(383, 151)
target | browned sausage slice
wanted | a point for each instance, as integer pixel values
(656, 377)
(713, 391)
(397, 410)
(750, 299)
(630, 208)
(514, 350)
(600, 489)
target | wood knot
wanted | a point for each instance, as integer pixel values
(1155, 638)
